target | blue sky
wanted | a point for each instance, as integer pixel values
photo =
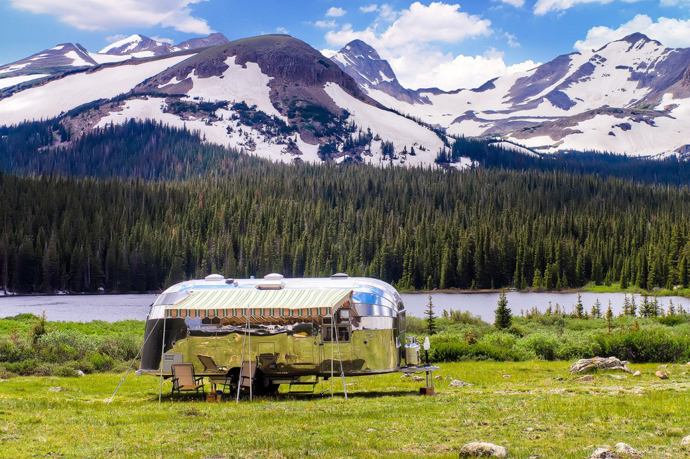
(446, 44)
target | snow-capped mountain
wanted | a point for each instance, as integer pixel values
(631, 96)
(61, 58)
(364, 64)
(137, 46)
(203, 42)
(277, 97)
(272, 96)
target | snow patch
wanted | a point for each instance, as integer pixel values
(248, 84)
(389, 126)
(11, 81)
(71, 91)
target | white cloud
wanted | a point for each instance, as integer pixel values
(437, 22)
(409, 41)
(547, 6)
(669, 31)
(512, 40)
(326, 24)
(169, 41)
(282, 30)
(335, 12)
(675, 2)
(515, 3)
(369, 8)
(114, 38)
(108, 14)
(450, 72)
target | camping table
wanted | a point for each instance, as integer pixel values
(429, 370)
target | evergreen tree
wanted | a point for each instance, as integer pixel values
(503, 314)
(579, 308)
(430, 317)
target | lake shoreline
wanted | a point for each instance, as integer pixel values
(451, 291)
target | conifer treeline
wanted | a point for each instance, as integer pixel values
(415, 228)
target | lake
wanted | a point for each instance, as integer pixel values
(111, 308)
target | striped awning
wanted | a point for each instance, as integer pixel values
(260, 305)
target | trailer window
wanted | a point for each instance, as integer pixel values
(342, 328)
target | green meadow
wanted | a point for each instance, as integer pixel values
(534, 409)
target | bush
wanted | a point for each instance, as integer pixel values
(13, 350)
(543, 345)
(654, 344)
(61, 346)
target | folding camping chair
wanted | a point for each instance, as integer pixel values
(210, 366)
(184, 380)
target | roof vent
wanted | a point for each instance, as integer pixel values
(270, 285)
(214, 277)
(340, 276)
(273, 276)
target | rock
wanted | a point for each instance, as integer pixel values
(506, 376)
(685, 442)
(405, 375)
(55, 389)
(371, 430)
(417, 378)
(458, 383)
(661, 374)
(620, 451)
(604, 453)
(637, 373)
(619, 377)
(80, 373)
(437, 377)
(626, 450)
(599, 363)
(482, 449)
(585, 378)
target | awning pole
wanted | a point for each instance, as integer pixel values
(160, 385)
(340, 359)
(249, 351)
(239, 375)
(332, 350)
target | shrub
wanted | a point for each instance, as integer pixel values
(61, 346)
(652, 344)
(544, 345)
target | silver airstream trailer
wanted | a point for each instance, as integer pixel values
(292, 330)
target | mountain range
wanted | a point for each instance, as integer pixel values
(275, 96)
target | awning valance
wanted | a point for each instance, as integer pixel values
(261, 305)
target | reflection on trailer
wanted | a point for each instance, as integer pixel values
(282, 331)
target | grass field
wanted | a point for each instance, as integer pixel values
(535, 409)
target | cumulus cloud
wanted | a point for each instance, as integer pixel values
(335, 12)
(107, 14)
(515, 3)
(547, 6)
(167, 40)
(369, 8)
(450, 72)
(326, 24)
(437, 22)
(410, 40)
(669, 31)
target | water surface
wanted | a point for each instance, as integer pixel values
(111, 308)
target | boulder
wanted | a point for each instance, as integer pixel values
(599, 363)
(482, 449)
(637, 373)
(458, 383)
(685, 442)
(620, 451)
(661, 374)
(626, 450)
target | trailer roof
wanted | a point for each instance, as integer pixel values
(259, 304)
